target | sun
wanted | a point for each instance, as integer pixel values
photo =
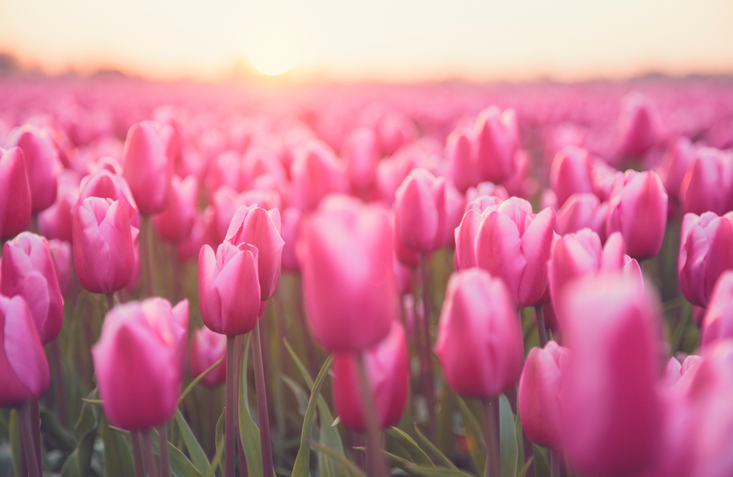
(272, 65)
(273, 44)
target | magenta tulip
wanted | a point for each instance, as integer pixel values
(315, 173)
(717, 324)
(479, 340)
(146, 167)
(207, 348)
(463, 168)
(175, 222)
(41, 164)
(55, 222)
(465, 233)
(571, 173)
(708, 183)
(23, 365)
(675, 163)
(388, 371)
(582, 211)
(109, 185)
(495, 143)
(639, 125)
(61, 254)
(15, 193)
(291, 218)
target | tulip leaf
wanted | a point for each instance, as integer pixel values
(474, 436)
(298, 392)
(180, 465)
(69, 469)
(408, 443)
(446, 462)
(301, 367)
(86, 426)
(197, 380)
(302, 461)
(219, 443)
(350, 466)
(117, 456)
(249, 433)
(507, 439)
(51, 428)
(197, 454)
(435, 472)
(14, 434)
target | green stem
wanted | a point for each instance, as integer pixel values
(149, 457)
(57, 368)
(375, 458)
(26, 436)
(163, 449)
(35, 419)
(426, 361)
(231, 403)
(555, 463)
(137, 453)
(262, 413)
(491, 434)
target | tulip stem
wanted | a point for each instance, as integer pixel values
(491, 433)
(26, 436)
(375, 459)
(426, 361)
(163, 450)
(149, 457)
(554, 463)
(231, 403)
(541, 329)
(137, 454)
(264, 419)
(110, 301)
(57, 367)
(35, 418)
(242, 458)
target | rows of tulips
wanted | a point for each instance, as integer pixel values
(294, 292)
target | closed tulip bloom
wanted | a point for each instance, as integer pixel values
(514, 244)
(176, 221)
(612, 410)
(207, 348)
(109, 185)
(571, 173)
(229, 289)
(465, 233)
(23, 365)
(345, 254)
(717, 324)
(15, 193)
(495, 143)
(290, 228)
(362, 153)
(486, 189)
(41, 164)
(462, 164)
(708, 183)
(638, 124)
(28, 271)
(137, 364)
(675, 163)
(260, 228)
(61, 254)
(705, 244)
(479, 340)
(55, 222)
(637, 208)
(582, 211)
(146, 167)
(104, 255)
(315, 173)
(388, 371)
(539, 395)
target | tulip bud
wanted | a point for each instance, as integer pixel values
(207, 348)
(704, 254)
(361, 153)
(229, 289)
(41, 164)
(147, 168)
(260, 228)
(176, 221)
(315, 173)
(638, 124)
(708, 183)
(104, 255)
(28, 271)
(55, 222)
(612, 410)
(675, 163)
(717, 324)
(496, 141)
(462, 165)
(479, 340)
(137, 363)
(571, 173)
(465, 233)
(345, 254)
(637, 208)
(582, 211)
(388, 372)
(514, 244)
(290, 228)
(23, 364)
(61, 254)
(15, 193)
(539, 395)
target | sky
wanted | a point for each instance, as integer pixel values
(388, 40)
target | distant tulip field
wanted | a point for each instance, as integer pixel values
(446, 280)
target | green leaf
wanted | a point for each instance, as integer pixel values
(14, 432)
(61, 439)
(476, 445)
(117, 456)
(69, 469)
(249, 433)
(301, 367)
(219, 443)
(418, 455)
(298, 392)
(508, 439)
(352, 468)
(86, 426)
(180, 465)
(302, 461)
(197, 380)
(198, 456)
(434, 472)
(446, 462)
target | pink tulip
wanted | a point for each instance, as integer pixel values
(61, 254)
(637, 208)
(612, 409)
(104, 255)
(315, 173)
(479, 340)
(55, 222)
(704, 254)
(717, 324)
(229, 288)
(571, 173)
(260, 228)
(23, 364)
(107, 184)
(201, 234)
(28, 271)
(225, 170)
(345, 254)
(521, 182)
(395, 130)
(486, 189)
(514, 244)
(262, 161)
(15, 193)
(462, 165)
(708, 183)
(388, 371)
(147, 169)
(137, 363)
(582, 211)
(676, 161)
(41, 163)
(638, 124)
(539, 395)
(465, 233)
(290, 229)
(175, 222)
(207, 348)
(361, 153)
(496, 141)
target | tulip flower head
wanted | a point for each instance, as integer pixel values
(15, 193)
(208, 347)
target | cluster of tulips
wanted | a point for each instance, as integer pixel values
(483, 294)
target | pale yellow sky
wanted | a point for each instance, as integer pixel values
(377, 39)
